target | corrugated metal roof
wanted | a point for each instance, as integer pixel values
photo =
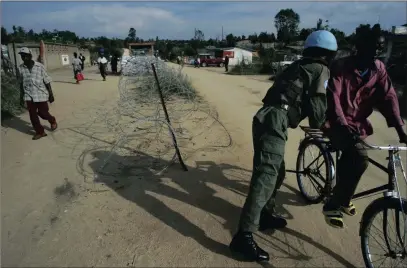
(142, 44)
(230, 48)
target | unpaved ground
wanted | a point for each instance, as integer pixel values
(55, 213)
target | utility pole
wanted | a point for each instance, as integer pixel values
(222, 33)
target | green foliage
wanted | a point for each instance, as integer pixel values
(10, 95)
(286, 22)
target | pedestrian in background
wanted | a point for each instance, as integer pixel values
(226, 63)
(113, 63)
(102, 61)
(36, 91)
(77, 66)
(82, 58)
(196, 62)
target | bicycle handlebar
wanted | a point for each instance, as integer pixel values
(383, 148)
(319, 132)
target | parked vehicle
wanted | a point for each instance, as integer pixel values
(209, 60)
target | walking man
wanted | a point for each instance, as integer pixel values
(82, 58)
(102, 61)
(76, 63)
(226, 63)
(35, 90)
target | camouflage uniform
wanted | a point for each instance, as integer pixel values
(298, 92)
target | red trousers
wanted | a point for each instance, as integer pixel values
(40, 109)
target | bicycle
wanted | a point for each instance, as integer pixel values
(391, 200)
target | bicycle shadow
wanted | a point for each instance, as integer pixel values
(129, 177)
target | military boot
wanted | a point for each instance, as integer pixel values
(244, 244)
(271, 221)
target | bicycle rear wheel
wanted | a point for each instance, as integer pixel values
(318, 174)
(394, 239)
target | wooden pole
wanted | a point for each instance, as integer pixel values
(174, 140)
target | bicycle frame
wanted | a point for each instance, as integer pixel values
(393, 162)
(390, 186)
(390, 189)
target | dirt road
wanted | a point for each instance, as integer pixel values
(53, 216)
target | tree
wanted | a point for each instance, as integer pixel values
(189, 51)
(304, 33)
(131, 37)
(340, 36)
(263, 37)
(253, 38)
(272, 38)
(230, 40)
(211, 42)
(199, 35)
(5, 37)
(286, 22)
(320, 25)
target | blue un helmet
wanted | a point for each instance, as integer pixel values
(322, 39)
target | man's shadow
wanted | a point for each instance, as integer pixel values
(130, 177)
(20, 125)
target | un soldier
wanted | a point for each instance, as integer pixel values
(298, 92)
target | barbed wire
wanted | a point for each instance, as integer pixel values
(118, 132)
(138, 125)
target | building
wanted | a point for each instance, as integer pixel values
(236, 55)
(142, 48)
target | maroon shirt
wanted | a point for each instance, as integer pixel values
(351, 97)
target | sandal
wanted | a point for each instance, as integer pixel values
(39, 136)
(349, 210)
(334, 218)
(54, 126)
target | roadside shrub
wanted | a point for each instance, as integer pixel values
(245, 69)
(10, 95)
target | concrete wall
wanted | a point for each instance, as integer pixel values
(52, 54)
(15, 57)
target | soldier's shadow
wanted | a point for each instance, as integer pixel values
(130, 178)
(133, 184)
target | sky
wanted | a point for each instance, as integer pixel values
(177, 20)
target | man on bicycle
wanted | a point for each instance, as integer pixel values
(298, 92)
(358, 84)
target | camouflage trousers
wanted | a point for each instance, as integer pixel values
(269, 130)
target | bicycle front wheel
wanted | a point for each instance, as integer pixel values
(383, 233)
